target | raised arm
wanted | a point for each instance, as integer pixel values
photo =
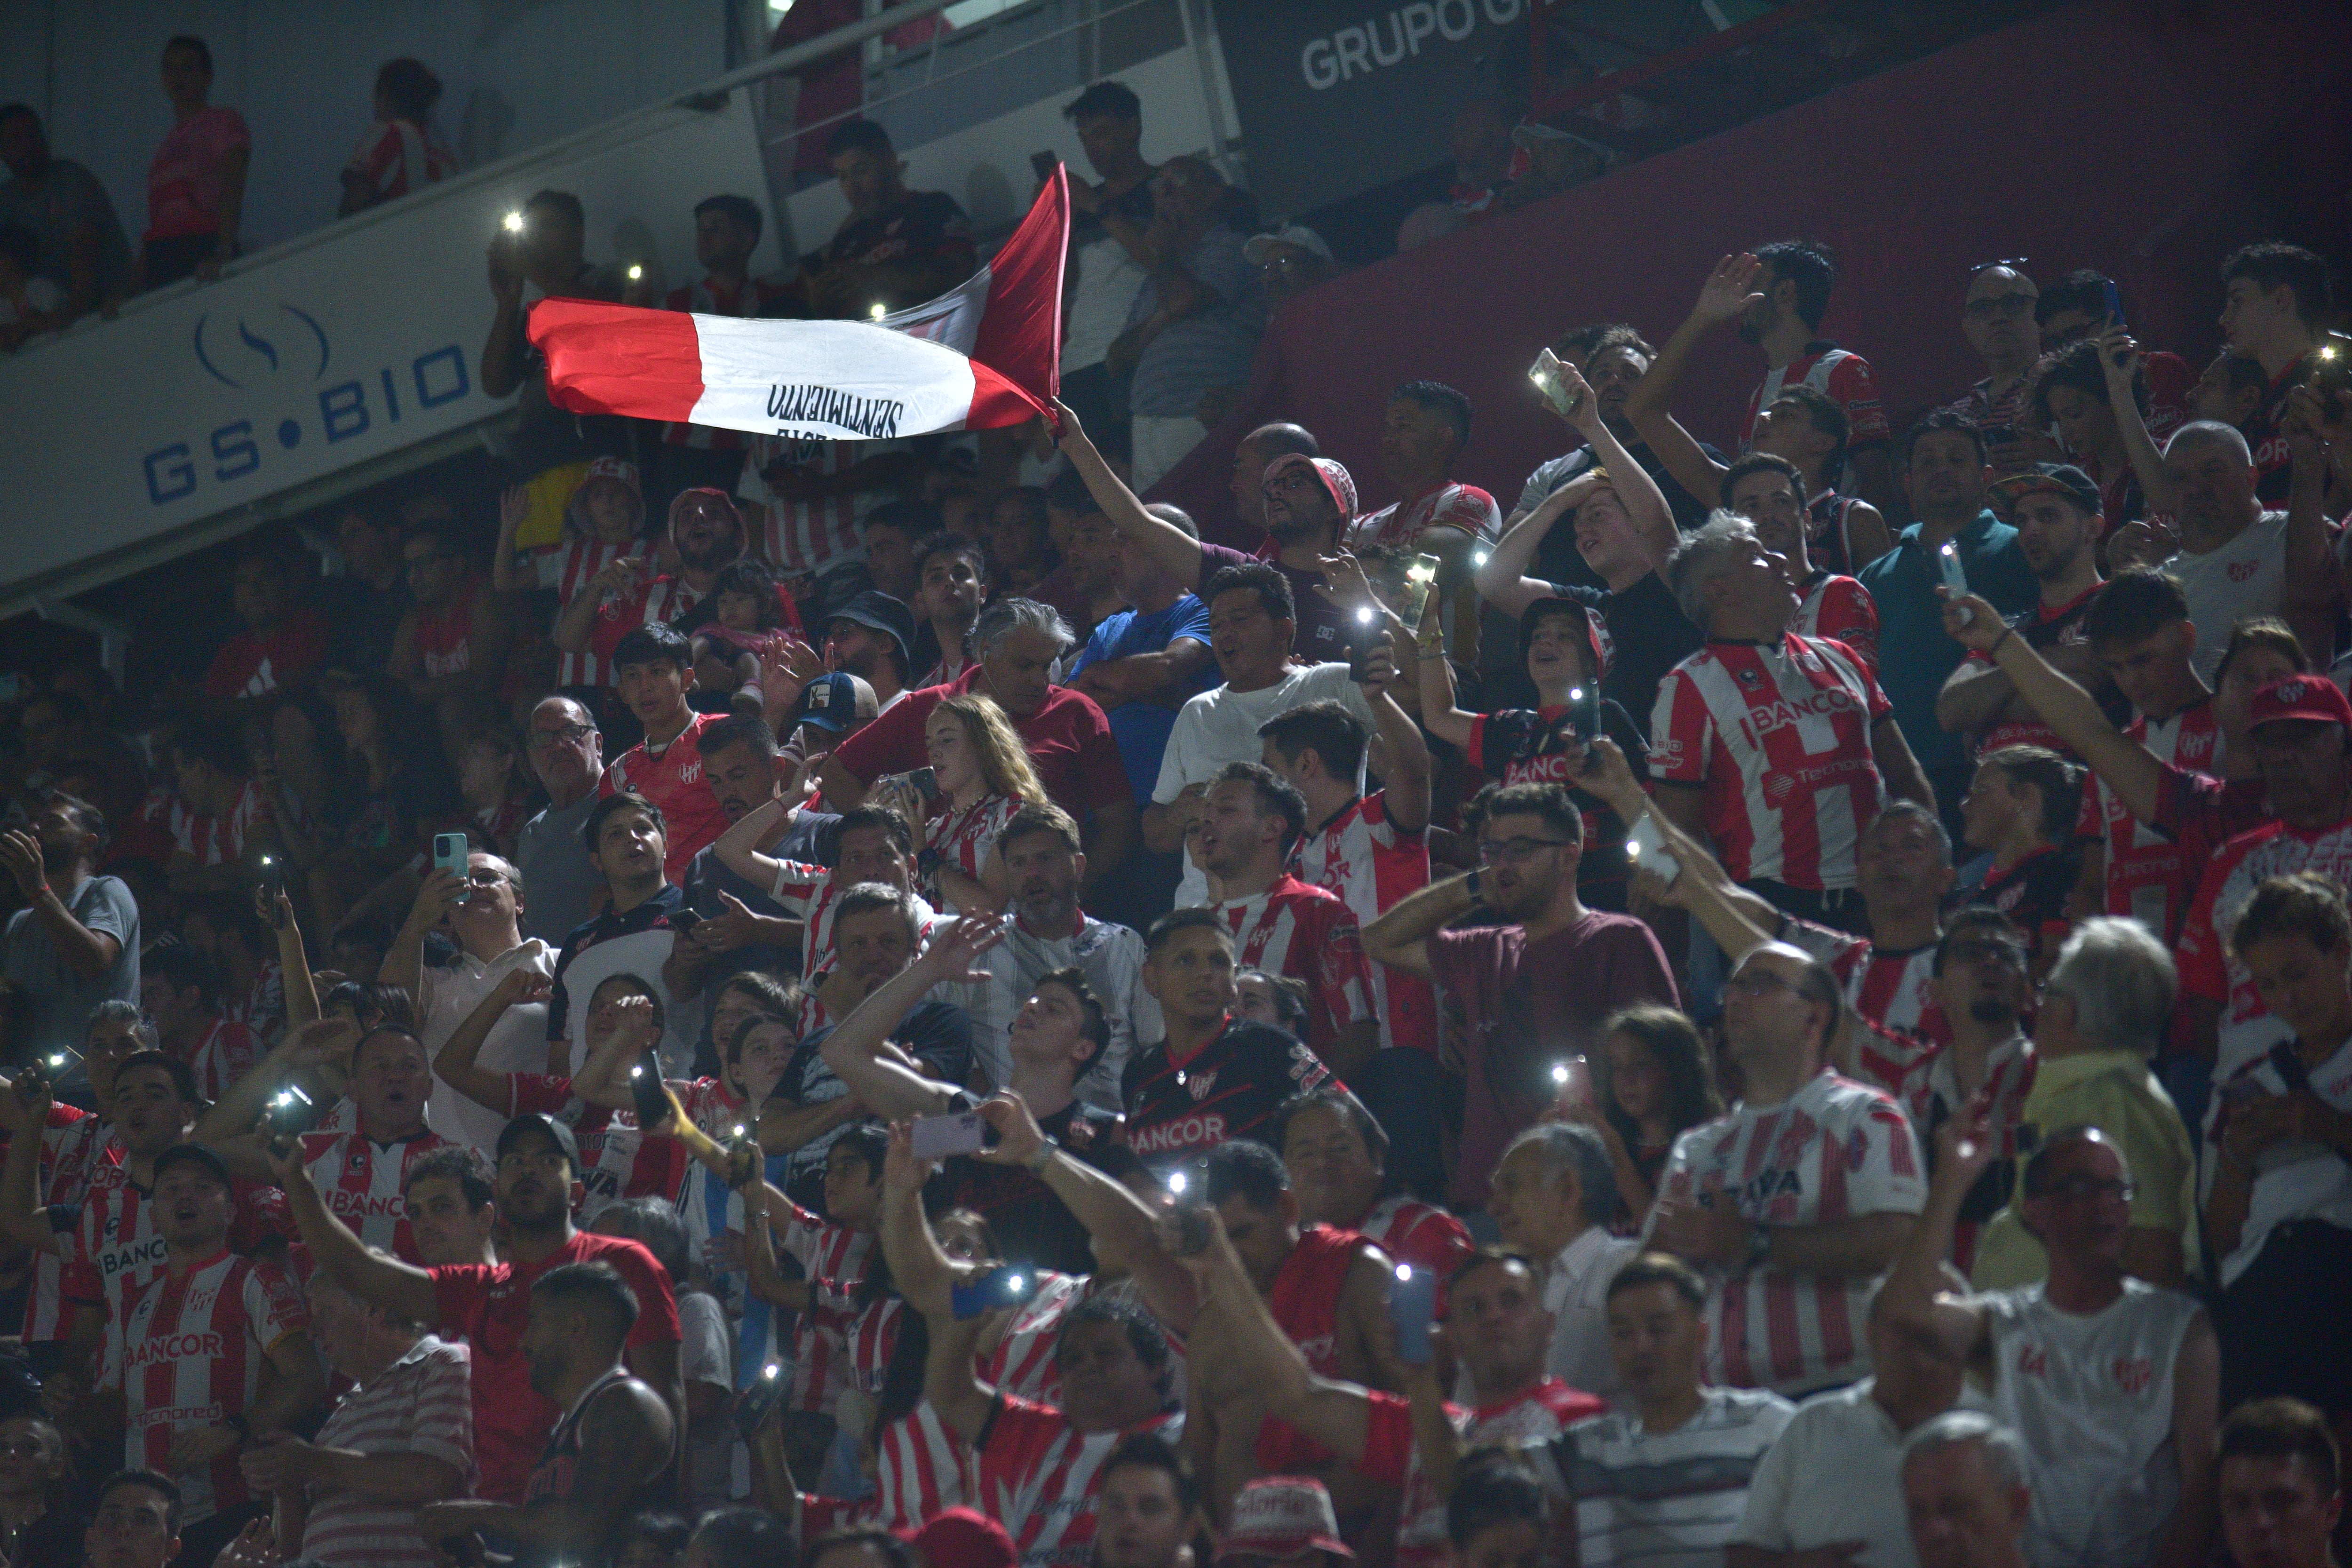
(2119, 360)
(1726, 295)
(1914, 1297)
(858, 1049)
(1121, 1227)
(1502, 581)
(962, 1401)
(1400, 937)
(1174, 551)
(923, 1274)
(1406, 776)
(622, 1035)
(227, 1125)
(386, 1282)
(454, 1064)
(2126, 766)
(23, 1220)
(403, 961)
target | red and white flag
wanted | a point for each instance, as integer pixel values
(985, 353)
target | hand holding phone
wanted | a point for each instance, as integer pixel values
(1546, 374)
(1412, 1307)
(1008, 1285)
(646, 1092)
(1948, 563)
(940, 1137)
(1646, 848)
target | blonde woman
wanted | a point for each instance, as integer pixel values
(982, 776)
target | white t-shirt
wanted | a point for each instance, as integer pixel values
(1836, 1473)
(1220, 726)
(517, 1042)
(1108, 278)
(2091, 1396)
(1576, 1291)
(2245, 577)
(1665, 1500)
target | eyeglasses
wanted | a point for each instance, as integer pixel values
(541, 740)
(1493, 851)
(1999, 305)
(2075, 1189)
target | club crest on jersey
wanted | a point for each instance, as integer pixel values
(2133, 1374)
(1199, 1084)
(690, 771)
(1749, 675)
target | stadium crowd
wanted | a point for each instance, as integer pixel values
(1781, 1004)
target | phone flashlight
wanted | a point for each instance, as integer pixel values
(878, 311)
(1477, 558)
(1364, 616)
(1559, 1076)
(1176, 1184)
(636, 271)
(514, 222)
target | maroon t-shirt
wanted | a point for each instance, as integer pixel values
(1069, 739)
(1319, 633)
(1530, 1006)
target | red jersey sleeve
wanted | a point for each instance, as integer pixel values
(2204, 968)
(1853, 386)
(1682, 732)
(273, 1305)
(1101, 776)
(1387, 1439)
(460, 1291)
(80, 1280)
(1475, 752)
(1849, 616)
(656, 1302)
(536, 1093)
(1343, 974)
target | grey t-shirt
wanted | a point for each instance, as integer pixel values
(1209, 348)
(60, 1002)
(560, 889)
(68, 196)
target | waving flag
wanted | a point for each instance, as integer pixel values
(987, 352)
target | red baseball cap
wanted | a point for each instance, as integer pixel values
(2309, 697)
(1338, 483)
(963, 1538)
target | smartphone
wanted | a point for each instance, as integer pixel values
(1008, 1285)
(2115, 304)
(35, 1077)
(273, 883)
(1420, 581)
(645, 1090)
(1545, 373)
(758, 1401)
(1363, 634)
(1043, 165)
(1645, 848)
(926, 781)
(1573, 1080)
(1948, 562)
(938, 1137)
(290, 1112)
(1413, 1306)
(683, 920)
(1193, 1232)
(2331, 374)
(451, 853)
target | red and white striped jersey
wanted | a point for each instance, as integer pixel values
(620, 1162)
(568, 568)
(1370, 863)
(1835, 373)
(757, 297)
(1023, 1363)
(964, 840)
(1893, 989)
(1422, 1235)
(2150, 876)
(187, 1353)
(2208, 967)
(1532, 1416)
(919, 1464)
(74, 1146)
(397, 156)
(665, 598)
(1779, 739)
(812, 895)
(213, 840)
(673, 779)
(1400, 525)
(1841, 610)
(1305, 933)
(360, 1182)
(1930, 1091)
(802, 537)
(1036, 1476)
(833, 1259)
(1834, 1149)
(114, 1247)
(227, 1052)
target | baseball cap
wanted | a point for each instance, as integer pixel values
(835, 702)
(2309, 697)
(535, 1122)
(2063, 480)
(886, 615)
(1254, 249)
(192, 1154)
(1279, 1516)
(1338, 483)
(963, 1538)
(1597, 643)
(620, 471)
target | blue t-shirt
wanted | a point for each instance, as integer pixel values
(1141, 729)
(1915, 656)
